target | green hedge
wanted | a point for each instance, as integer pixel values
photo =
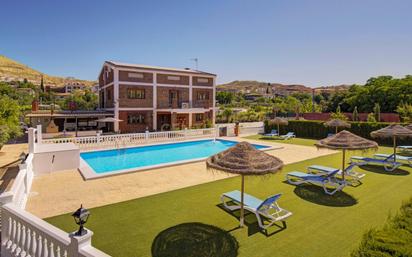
(317, 130)
(394, 239)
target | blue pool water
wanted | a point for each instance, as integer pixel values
(137, 157)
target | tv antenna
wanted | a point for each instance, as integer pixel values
(196, 60)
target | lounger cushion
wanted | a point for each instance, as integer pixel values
(398, 157)
(248, 200)
(306, 176)
(322, 168)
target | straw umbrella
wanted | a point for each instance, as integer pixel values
(337, 123)
(345, 140)
(409, 126)
(392, 131)
(279, 121)
(245, 160)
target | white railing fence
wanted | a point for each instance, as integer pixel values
(23, 234)
(19, 191)
(123, 140)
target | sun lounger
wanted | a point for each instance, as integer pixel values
(349, 172)
(405, 148)
(289, 135)
(330, 183)
(399, 158)
(267, 208)
(273, 133)
(386, 163)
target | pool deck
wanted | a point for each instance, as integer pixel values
(64, 191)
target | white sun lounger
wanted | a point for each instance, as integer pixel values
(399, 158)
(349, 172)
(267, 208)
(273, 133)
(328, 182)
(289, 135)
(405, 148)
(387, 163)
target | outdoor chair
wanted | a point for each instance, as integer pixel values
(268, 208)
(349, 172)
(404, 159)
(273, 133)
(329, 182)
(289, 135)
(405, 148)
(388, 164)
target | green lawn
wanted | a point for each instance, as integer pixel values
(320, 226)
(294, 141)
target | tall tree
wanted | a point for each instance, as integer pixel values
(42, 84)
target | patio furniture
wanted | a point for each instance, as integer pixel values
(279, 121)
(244, 159)
(400, 158)
(405, 148)
(393, 131)
(329, 182)
(345, 140)
(268, 208)
(273, 133)
(349, 172)
(388, 164)
(289, 135)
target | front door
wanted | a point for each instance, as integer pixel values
(164, 121)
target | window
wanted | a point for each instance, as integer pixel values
(135, 75)
(199, 117)
(135, 119)
(109, 94)
(203, 80)
(134, 93)
(202, 95)
(175, 78)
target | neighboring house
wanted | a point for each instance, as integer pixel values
(72, 86)
(156, 98)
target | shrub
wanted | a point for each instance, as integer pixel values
(371, 117)
(394, 239)
(316, 129)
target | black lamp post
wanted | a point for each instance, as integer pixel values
(80, 217)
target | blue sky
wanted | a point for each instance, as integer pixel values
(308, 42)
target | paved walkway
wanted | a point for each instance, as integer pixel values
(63, 192)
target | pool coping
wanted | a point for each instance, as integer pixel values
(88, 173)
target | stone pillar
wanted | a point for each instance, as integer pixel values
(31, 135)
(116, 98)
(79, 242)
(39, 134)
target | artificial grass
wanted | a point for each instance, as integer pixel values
(293, 141)
(320, 226)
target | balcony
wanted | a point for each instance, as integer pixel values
(183, 104)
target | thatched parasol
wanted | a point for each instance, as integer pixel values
(409, 126)
(392, 131)
(279, 121)
(244, 159)
(346, 141)
(337, 123)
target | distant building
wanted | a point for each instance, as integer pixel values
(72, 86)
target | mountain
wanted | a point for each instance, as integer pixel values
(257, 87)
(11, 70)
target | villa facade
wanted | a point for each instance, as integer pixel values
(155, 98)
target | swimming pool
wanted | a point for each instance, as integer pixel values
(137, 158)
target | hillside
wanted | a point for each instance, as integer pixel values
(13, 70)
(257, 87)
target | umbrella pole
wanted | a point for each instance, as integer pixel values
(343, 164)
(336, 130)
(278, 130)
(394, 148)
(241, 201)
